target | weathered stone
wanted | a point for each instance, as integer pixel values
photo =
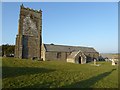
(29, 39)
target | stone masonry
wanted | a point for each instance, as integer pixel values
(29, 38)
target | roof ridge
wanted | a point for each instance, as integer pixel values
(68, 46)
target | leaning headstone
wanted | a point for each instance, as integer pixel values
(94, 61)
(113, 62)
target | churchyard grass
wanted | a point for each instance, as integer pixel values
(17, 73)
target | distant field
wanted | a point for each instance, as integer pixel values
(55, 74)
(110, 55)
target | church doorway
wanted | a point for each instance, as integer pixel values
(79, 60)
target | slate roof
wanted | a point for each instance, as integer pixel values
(64, 48)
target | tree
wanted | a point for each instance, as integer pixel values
(8, 50)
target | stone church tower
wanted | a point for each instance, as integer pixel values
(29, 38)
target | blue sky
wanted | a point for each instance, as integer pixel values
(80, 24)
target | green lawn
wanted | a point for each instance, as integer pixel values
(56, 74)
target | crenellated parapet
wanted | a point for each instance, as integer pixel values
(25, 11)
(30, 9)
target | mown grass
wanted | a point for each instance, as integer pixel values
(55, 74)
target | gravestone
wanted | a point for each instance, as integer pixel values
(113, 62)
(94, 61)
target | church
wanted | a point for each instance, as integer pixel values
(29, 42)
(73, 54)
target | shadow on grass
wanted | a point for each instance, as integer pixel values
(18, 71)
(89, 82)
(82, 84)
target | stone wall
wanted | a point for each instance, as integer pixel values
(54, 56)
(18, 46)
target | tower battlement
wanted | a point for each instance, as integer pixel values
(30, 9)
